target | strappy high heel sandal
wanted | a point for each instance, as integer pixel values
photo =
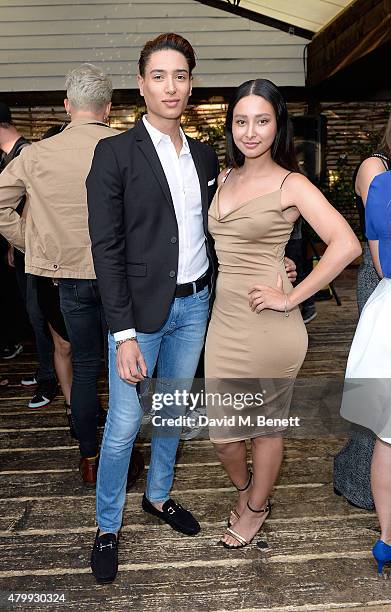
(234, 512)
(242, 541)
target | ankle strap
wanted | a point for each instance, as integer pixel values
(265, 509)
(250, 475)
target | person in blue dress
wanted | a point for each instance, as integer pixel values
(367, 390)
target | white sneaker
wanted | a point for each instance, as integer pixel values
(29, 381)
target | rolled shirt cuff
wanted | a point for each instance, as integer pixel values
(125, 334)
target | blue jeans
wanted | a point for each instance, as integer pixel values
(175, 350)
(81, 307)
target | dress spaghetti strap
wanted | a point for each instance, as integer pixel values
(285, 177)
(383, 158)
(226, 175)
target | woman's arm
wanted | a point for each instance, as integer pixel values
(374, 248)
(342, 246)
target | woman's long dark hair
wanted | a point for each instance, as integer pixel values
(282, 151)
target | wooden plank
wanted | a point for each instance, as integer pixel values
(299, 505)
(238, 584)
(148, 27)
(115, 65)
(108, 3)
(202, 41)
(108, 12)
(242, 51)
(312, 414)
(63, 457)
(56, 83)
(39, 552)
(67, 482)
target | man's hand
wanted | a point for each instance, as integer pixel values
(130, 362)
(11, 256)
(290, 269)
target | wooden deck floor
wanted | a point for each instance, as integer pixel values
(318, 547)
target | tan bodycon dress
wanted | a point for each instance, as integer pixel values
(246, 351)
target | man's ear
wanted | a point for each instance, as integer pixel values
(67, 106)
(140, 83)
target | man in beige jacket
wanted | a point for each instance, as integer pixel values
(55, 238)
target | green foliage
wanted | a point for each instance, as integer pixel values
(339, 189)
(213, 135)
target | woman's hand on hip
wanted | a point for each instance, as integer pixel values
(263, 296)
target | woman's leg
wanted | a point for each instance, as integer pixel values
(381, 487)
(267, 453)
(233, 457)
(62, 363)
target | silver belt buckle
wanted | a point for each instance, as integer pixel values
(194, 287)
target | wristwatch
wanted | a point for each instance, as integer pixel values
(119, 342)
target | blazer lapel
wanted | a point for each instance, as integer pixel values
(203, 180)
(145, 144)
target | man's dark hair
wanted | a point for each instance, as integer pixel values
(282, 151)
(172, 41)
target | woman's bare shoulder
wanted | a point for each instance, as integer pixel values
(295, 180)
(372, 164)
(370, 167)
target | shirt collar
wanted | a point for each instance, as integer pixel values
(76, 122)
(157, 136)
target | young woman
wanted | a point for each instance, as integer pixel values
(352, 464)
(256, 330)
(367, 390)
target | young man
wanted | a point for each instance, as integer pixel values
(148, 195)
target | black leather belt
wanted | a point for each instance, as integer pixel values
(189, 288)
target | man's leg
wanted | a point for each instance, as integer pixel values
(82, 310)
(43, 339)
(122, 425)
(178, 359)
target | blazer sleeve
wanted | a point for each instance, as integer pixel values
(105, 197)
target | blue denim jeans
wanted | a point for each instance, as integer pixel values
(82, 310)
(175, 350)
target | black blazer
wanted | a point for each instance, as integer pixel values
(133, 228)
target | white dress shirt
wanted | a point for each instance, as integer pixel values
(182, 179)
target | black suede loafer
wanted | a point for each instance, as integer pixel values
(177, 517)
(104, 558)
